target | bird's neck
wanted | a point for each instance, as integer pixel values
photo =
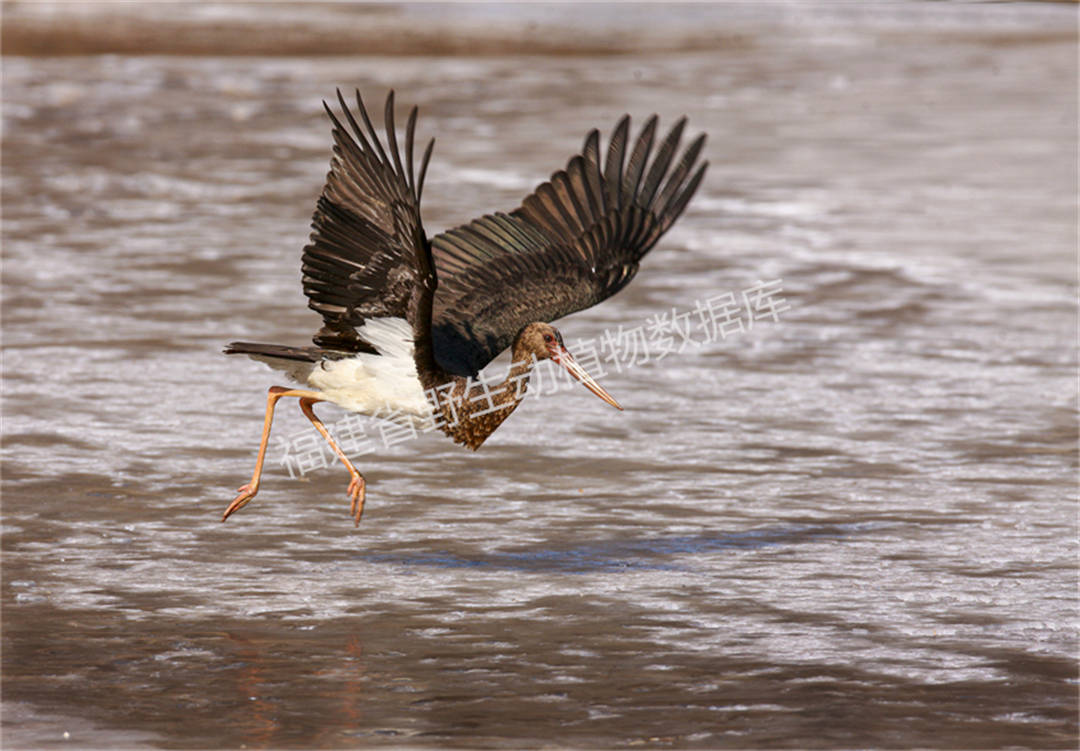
(469, 410)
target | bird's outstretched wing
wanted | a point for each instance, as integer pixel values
(368, 256)
(575, 241)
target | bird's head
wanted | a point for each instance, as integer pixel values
(544, 342)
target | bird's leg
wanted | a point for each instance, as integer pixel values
(356, 485)
(247, 492)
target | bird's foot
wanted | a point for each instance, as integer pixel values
(356, 494)
(247, 492)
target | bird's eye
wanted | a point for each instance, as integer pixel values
(549, 338)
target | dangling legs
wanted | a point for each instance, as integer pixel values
(356, 485)
(247, 492)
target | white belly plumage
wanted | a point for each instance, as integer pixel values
(385, 385)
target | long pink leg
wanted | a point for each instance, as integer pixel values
(247, 492)
(357, 484)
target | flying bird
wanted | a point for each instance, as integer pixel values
(409, 322)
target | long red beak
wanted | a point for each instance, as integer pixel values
(564, 358)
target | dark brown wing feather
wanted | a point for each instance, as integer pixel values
(575, 241)
(368, 256)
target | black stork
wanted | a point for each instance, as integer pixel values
(406, 318)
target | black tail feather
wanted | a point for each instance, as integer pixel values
(279, 351)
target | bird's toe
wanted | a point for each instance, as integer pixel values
(356, 495)
(247, 492)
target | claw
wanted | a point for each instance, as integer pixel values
(247, 492)
(356, 494)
